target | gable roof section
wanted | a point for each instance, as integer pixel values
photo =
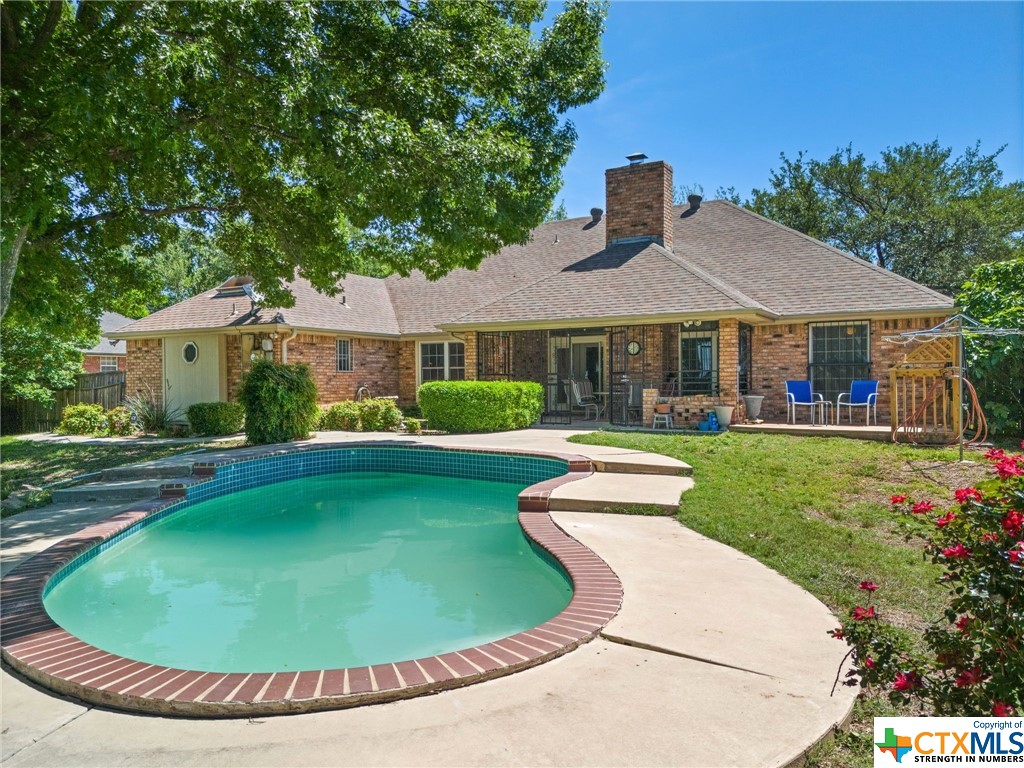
(788, 271)
(622, 281)
(367, 310)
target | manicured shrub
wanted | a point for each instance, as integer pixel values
(379, 414)
(119, 422)
(974, 662)
(480, 406)
(82, 419)
(215, 418)
(369, 415)
(342, 416)
(413, 426)
(279, 402)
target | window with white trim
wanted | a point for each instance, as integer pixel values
(108, 364)
(344, 354)
(442, 361)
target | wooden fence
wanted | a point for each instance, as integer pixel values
(20, 415)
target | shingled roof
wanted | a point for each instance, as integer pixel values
(724, 260)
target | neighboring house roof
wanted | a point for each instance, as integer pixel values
(109, 321)
(725, 260)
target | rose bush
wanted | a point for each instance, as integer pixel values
(973, 662)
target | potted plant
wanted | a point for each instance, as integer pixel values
(663, 405)
(724, 414)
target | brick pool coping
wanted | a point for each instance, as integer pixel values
(35, 646)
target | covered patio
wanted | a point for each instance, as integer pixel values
(625, 370)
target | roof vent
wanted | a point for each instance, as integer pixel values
(636, 158)
(596, 214)
(694, 201)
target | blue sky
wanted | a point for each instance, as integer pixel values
(720, 89)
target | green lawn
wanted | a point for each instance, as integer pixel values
(816, 510)
(25, 462)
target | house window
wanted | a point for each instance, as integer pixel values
(698, 358)
(442, 360)
(344, 347)
(190, 352)
(838, 353)
(108, 364)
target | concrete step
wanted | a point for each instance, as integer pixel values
(612, 491)
(110, 490)
(641, 464)
(152, 470)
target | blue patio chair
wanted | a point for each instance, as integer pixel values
(862, 394)
(798, 393)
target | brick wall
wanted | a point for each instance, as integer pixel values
(91, 363)
(375, 364)
(779, 352)
(144, 371)
(407, 372)
(639, 202)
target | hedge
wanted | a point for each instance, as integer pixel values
(375, 414)
(215, 418)
(480, 406)
(279, 402)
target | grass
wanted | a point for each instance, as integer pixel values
(816, 510)
(25, 462)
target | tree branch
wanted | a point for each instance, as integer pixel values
(9, 267)
(10, 28)
(54, 234)
(49, 26)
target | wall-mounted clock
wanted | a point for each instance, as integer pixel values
(633, 348)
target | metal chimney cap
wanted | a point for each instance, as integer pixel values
(694, 201)
(636, 158)
(596, 214)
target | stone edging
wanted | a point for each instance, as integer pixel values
(36, 647)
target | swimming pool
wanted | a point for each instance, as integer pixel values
(313, 579)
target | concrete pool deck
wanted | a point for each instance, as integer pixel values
(713, 660)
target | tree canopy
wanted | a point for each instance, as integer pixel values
(994, 296)
(917, 211)
(310, 138)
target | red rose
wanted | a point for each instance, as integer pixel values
(969, 677)
(869, 662)
(990, 537)
(1009, 467)
(868, 586)
(906, 681)
(861, 614)
(1002, 709)
(899, 498)
(964, 624)
(995, 454)
(1017, 553)
(963, 495)
(922, 507)
(945, 520)
(1013, 521)
(957, 552)
(837, 633)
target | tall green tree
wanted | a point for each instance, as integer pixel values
(307, 137)
(918, 210)
(994, 296)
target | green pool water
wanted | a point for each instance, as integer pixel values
(332, 571)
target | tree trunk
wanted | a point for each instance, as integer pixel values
(8, 268)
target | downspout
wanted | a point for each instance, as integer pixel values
(284, 345)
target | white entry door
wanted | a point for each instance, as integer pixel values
(193, 370)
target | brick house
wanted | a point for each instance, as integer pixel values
(700, 304)
(108, 355)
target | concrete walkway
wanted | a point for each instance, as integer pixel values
(714, 660)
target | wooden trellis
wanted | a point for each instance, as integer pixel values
(927, 392)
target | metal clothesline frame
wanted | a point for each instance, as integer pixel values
(959, 326)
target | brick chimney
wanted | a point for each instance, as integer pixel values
(638, 198)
